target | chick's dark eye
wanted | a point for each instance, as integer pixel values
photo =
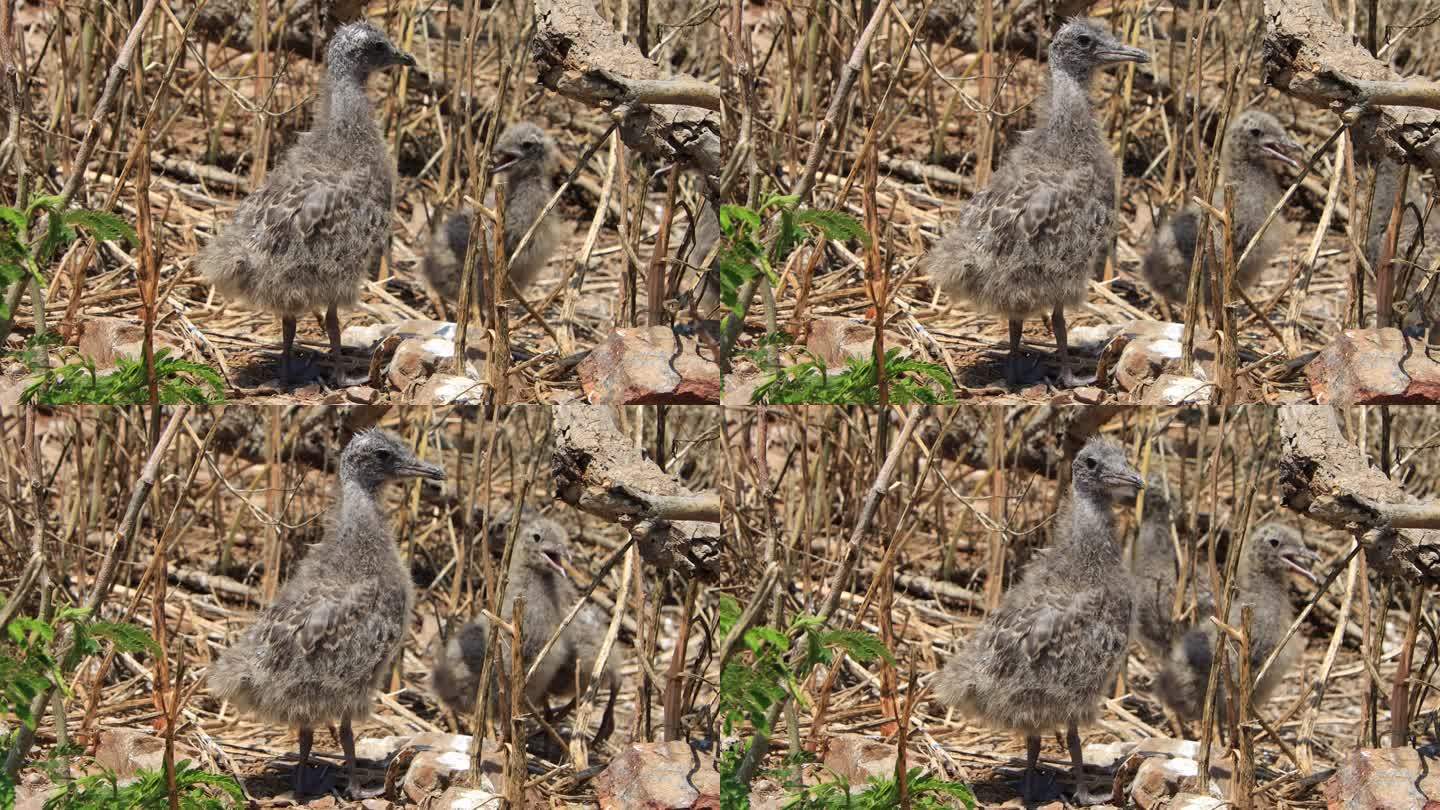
(1089, 463)
(1274, 543)
(1085, 40)
(1254, 132)
(384, 455)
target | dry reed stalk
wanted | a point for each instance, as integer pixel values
(100, 589)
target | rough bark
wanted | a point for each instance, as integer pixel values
(1310, 56)
(1325, 478)
(599, 470)
(672, 119)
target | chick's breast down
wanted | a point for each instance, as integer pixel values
(1044, 657)
(1028, 242)
(308, 238)
(317, 654)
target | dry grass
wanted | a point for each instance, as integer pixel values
(211, 117)
(935, 105)
(240, 495)
(970, 501)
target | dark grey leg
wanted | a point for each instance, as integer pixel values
(347, 744)
(1068, 378)
(607, 720)
(307, 736)
(1030, 783)
(287, 331)
(1012, 366)
(332, 328)
(1083, 796)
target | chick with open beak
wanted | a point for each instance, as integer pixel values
(1271, 553)
(1254, 142)
(523, 161)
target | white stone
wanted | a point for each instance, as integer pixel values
(455, 760)
(1182, 767)
(439, 346)
(1166, 348)
(1186, 391)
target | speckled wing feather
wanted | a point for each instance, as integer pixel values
(1029, 241)
(316, 205)
(351, 618)
(315, 656)
(308, 237)
(1029, 204)
(1042, 630)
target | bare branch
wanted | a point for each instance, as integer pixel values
(579, 55)
(1311, 56)
(1324, 477)
(599, 470)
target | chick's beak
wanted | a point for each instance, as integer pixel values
(420, 469)
(1122, 53)
(503, 161)
(1126, 478)
(1282, 150)
(1301, 561)
(402, 58)
(553, 558)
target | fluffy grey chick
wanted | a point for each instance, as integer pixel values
(317, 654)
(1254, 142)
(536, 571)
(1047, 655)
(318, 225)
(1029, 243)
(1272, 553)
(525, 163)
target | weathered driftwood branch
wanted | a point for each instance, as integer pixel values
(579, 55)
(1310, 56)
(599, 470)
(1324, 477)
(1367, 93)
(1405, 515)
